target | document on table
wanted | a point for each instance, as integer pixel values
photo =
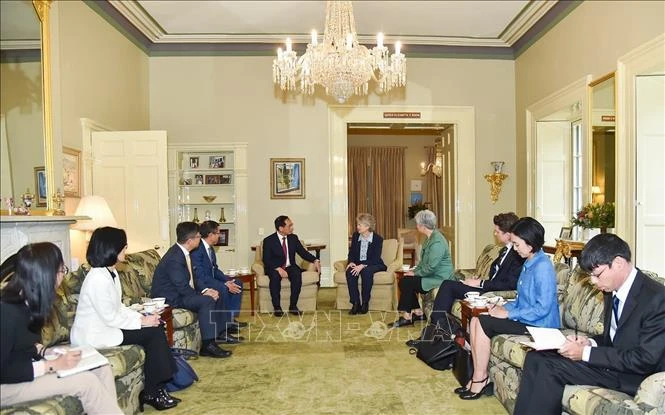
(90, 359)
(545, 338)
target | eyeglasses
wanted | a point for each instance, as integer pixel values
(600, 273)
(64, 269)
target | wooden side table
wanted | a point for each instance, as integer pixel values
(249, 278)
(167, 318)
(399, 274)
(468, 312)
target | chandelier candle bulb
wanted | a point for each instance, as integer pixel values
(379, 40)
(314, 39)
(288, 44)
(349, 41)
(398, 46)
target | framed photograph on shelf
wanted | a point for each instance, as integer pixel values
(223, 237)
(213, 178)
(193, 162)
(287, 178)
(566, 232)
(198, 179)
(41, 193)
(71, 172)
(217, 162)
(225, 179)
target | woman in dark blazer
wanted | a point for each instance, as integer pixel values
(364, 260)
(27, 368)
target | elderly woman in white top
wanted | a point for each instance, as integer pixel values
(103, 321)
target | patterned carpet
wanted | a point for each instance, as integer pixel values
(324, 363)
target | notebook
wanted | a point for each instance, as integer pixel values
(90, 359)
(545, 338)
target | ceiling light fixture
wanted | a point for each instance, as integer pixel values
(340, 64)
(435, 168)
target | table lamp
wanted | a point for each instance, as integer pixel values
(96, 208)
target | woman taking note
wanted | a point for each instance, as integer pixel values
(25, 304)
(536, 305)
(103, 321)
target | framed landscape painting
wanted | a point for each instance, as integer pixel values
(40, 186)
(287, 178)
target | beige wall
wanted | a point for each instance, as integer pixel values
(414, 154)
(587, 41)
(227, 99)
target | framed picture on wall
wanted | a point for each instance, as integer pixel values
(416, 185)
(287, 178)
(223, 237)
(40, 186)
(416, 198)
(71, 172)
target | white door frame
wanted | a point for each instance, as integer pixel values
(465, 218)
(88, 127)
(563, 98)
(641, 60)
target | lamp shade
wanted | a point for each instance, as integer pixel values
(96, 208)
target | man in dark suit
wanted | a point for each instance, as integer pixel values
(174, 280)
(279, 265)
(208, 275)
(504, 272)
(631, 347)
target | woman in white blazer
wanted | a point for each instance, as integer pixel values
(102, 320)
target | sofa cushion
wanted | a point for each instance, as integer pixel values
(583, 305)
(308, 278)
(183, 318)
(509, 348)
(124, 359)
(380, 278)
(136, 274)
(55, 405)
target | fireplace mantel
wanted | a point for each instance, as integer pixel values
(18, 230)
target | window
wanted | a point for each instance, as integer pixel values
(577, 165)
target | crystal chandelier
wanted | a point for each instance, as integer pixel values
(340, 64)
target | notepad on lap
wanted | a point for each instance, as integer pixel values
(545, 339)
(90, 359)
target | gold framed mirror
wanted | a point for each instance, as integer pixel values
(602, 140)
(27, 137)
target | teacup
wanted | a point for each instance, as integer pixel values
(232, 271)
(406, 267)
(149, 307)
(471, 295)
(480, 302)
(244, 270)
(159, 302)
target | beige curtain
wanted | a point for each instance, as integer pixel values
(434, 186)
(357, 162)
(387, 167)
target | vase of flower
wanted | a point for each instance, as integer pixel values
(594, 218)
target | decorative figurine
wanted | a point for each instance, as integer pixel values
(10, 205)
(196, 216)
(222, 219)
(27, 199)
(58, 199)
(207, 215)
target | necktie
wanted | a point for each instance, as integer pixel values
(497, 262)
(286, 254)
(213, 257)
(189, 267)
(615, 308)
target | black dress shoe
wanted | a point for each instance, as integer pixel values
(168, 396)
(416, 317)
(212, 350)
(295, 311)
(364, 309)
(278, 312)
(413, 342)
(401, 323)
(355, 309)
(232, 329)
(241, 324)
(157, 401)
(229, 338)
(487, 390)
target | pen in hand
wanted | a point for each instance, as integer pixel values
(576, 331)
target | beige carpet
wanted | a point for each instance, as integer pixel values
(324, 363)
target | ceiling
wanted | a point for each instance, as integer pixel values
(484, 24)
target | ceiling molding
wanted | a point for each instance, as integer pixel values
(137, 16)
(529, 16)
(20, 44)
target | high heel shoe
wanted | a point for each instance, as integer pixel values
(157, 401)
(487, 390)
(168, 396)
(464, 389)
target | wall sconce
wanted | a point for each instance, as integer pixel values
(435, 168)
(496, 180)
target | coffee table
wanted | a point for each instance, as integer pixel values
(249, 278)
(468, 312)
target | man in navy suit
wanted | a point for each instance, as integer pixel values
(174, 280)
(208, 275)
(279, 260)
(631, 347)
(504, 272)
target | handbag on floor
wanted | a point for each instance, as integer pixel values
(185, 375)
(463, 366)
(436, 346)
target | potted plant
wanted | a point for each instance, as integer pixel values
(595, 216)
(413, 209)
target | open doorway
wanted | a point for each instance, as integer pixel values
(397, 169)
